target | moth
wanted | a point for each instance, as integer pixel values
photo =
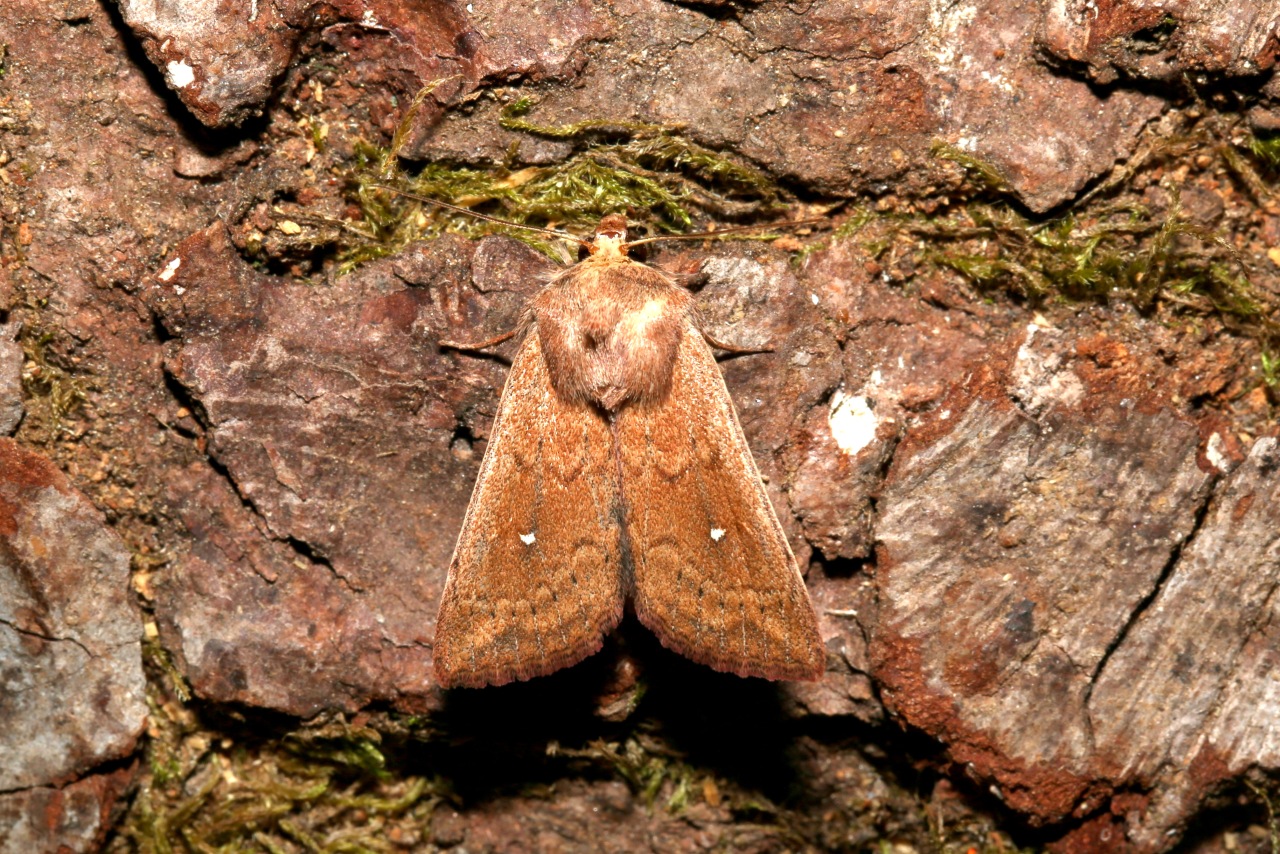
(617, 472)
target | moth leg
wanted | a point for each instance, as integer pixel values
(690, 281)
(730, 348)
(526, 321)
(482, 345)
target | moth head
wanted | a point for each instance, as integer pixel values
(610, 240)
(613, 226)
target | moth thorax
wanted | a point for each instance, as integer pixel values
(612, 364)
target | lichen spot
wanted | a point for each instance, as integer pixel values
(717, 534)
(169, 269)
(528, 539)
(852, 421)
(180, 74)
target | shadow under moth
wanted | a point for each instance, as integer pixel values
(617, 472)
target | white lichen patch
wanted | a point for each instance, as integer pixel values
(180, 74)
(1214, 452)
(852, 422)
(1041, 376)
(169, 270)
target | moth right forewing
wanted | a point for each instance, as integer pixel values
(536, 579)
(714, 576)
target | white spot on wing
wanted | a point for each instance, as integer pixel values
(852, 423)
(528, 539)
(717, 534)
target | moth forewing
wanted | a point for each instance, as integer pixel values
(536, 579)
(715, 578)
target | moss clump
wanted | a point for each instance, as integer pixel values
(1109, 247)
(854, 222)
(52, 393)
(1265, 148)
(512, 118)
(619, 166)
(1270, 363)
(647, 773)
(1117, 253)
(323, 790)
(985, 174)
(357, 749)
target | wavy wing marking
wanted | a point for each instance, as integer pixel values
(715, 579)
(536, 580)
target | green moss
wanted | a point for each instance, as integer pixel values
(1101, 251)
(52, 392)
(236, 798)
(165, 768)
(512, 118)
(853, 224)
(1249, 163)
(1058, 257)
(618, 166)
(319, 134)
(355, 749)
(985, 174)
(401, 136)
(1270, 364)
(645, 772)
(1265, 148)
(154, 653)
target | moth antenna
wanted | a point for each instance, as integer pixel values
(703, 235)
(459, 209)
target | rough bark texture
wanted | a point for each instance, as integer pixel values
(1043, 538)
(1159, 40)
(72, 817)
(335, 416)
(71, 683)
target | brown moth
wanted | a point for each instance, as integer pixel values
(617, 470)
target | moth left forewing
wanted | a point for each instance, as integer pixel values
(536, 580)
(715, 579)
